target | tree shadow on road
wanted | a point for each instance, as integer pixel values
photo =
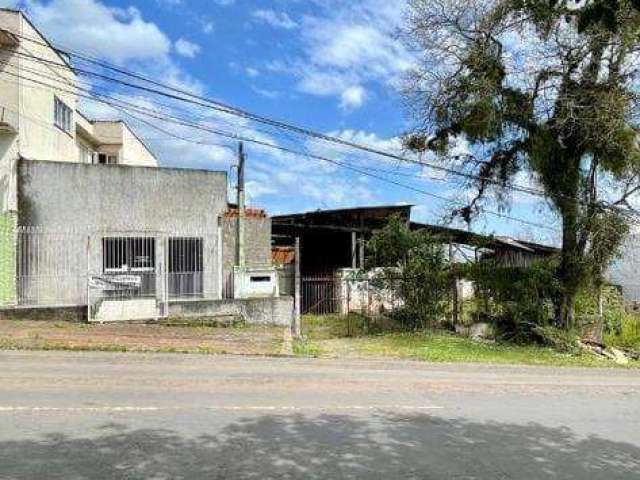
(384, 446)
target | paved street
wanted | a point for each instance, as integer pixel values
(99, 415)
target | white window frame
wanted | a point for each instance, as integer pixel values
(62, 115)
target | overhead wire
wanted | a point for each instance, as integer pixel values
(206, 102)
(228, 109)
(128, 107)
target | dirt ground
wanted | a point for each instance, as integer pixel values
(43, 335)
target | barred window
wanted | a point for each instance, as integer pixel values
(128, 254)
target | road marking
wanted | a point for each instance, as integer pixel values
(233, 408)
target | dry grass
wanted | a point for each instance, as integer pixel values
(246, 340)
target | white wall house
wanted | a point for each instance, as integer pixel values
(39, 115)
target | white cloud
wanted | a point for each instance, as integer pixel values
(252, 72)
(346, 47)
(186, 48)
(275, 19)
(352, 98)
(116, 34)
(272, 174)
(257, 189)
(207, 28)
(263, 92)
(344, 44)
(169, 3)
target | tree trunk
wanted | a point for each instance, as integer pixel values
(567, 309)
(569, 272)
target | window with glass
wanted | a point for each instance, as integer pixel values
(63, 116)
(107, 159)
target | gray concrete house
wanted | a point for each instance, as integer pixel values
(88, 220)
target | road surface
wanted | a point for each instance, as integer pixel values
(110, 416)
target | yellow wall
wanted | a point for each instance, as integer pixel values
(39, 138)
(9, 106)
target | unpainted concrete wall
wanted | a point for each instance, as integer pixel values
(625, 270)
(96, 201)
(263, 311)
(118, 197)
(259, 311)
(257, 244)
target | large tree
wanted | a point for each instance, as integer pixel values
(548, 88)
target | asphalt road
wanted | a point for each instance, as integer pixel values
(110, 416)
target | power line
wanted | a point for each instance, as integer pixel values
(45, 61)
(170, 119)
(229, 109)
(206, 102)
(394, 172)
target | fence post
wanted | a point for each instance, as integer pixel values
(297, 328)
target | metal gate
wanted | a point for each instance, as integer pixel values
(320, 295)
(127, 277)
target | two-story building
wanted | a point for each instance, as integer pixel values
(88, 218)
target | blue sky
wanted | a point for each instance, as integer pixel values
(330, 65)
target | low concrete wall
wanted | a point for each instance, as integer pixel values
(255, 311)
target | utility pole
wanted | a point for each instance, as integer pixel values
(297, 328)
(241, 206)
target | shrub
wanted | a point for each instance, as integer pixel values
(521, 298)
(613, 308)
(414, 265)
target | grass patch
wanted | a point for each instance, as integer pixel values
(325, 336)
(324, 327)
(306, 348)
(628, 335)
